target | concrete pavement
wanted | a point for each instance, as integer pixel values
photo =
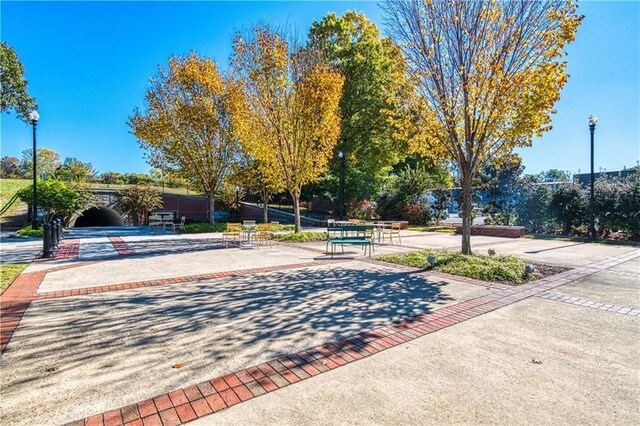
(73, 356)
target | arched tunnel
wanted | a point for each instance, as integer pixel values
(99, 216)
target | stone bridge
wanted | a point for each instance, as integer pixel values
(106, 210)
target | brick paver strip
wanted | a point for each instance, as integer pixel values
(231, 390)
(558, 297)
(14, 302)
(121, 246)
(175, 280)
(68, 249)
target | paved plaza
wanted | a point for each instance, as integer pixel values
(130, 327)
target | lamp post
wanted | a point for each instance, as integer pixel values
(33, 119)
(592, 222)
(341, 156)
(238, 200)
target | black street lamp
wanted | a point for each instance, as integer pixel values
(341, 156)
(238, 199)
(33, 119)
(592, 222)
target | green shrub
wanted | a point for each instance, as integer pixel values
(27, 231)
(487, 268)
(533, 208)
(617, 205)
(204, 227)
(570, 207)
(56, 198)
(301, 237)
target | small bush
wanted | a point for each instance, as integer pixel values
(302, 237)
(487, 268)
(27, 231)
(283, 227)
(204, 227)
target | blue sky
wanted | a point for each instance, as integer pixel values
(89, 63)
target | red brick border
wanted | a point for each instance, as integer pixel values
(69, 249)
(187, 404)
(14, 302)
(121, 246)
(173, 280)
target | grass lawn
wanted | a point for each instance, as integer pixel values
(9, 272)
(508, 269)
(8, 188)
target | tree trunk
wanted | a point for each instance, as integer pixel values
(212, 208)
(467, 208)
(295, 195)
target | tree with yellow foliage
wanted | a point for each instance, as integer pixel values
(487, 74)
(186, 127)
(285, 109)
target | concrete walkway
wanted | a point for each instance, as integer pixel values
(100, 334)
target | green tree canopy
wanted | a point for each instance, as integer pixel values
(13, 86)
(47, 161)
(73, 170)
(10, 167)
(55, 198)
(374, 74)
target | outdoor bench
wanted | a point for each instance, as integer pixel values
(361, 235)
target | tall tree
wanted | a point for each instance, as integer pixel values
(74, 170)
(138, 200)
(554, 175)
(47, 161)
(186, 127)
(10, 167)
(488, 74)
(287, 111)
(13, 86)
(375, 81)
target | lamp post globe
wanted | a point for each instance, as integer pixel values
(33, 117)
(592, 222)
